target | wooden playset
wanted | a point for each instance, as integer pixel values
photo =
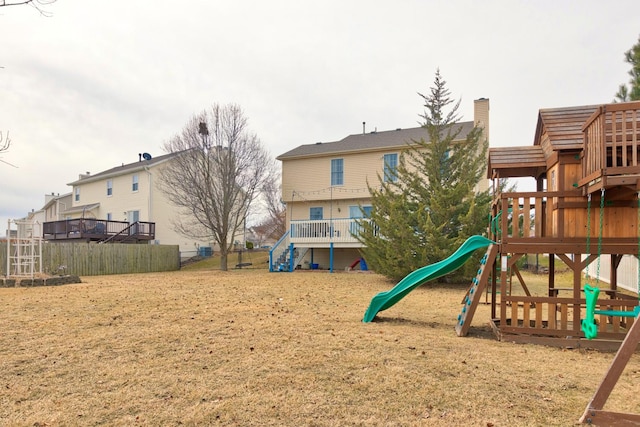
(595, 413)
(586, 165)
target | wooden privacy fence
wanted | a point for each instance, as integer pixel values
(92, 259)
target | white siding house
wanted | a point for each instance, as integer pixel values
(130, 193)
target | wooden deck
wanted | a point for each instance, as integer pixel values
(611, 153)
(555, 224)
(340, 232)
(98, 230)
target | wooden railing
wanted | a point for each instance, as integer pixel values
(561, 317)
(519, 215)
(612, 141)
(530, 215)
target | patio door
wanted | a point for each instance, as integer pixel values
(356, 212)
(133, 217)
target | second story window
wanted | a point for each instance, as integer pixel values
(134, 182)
(77, 194)
(337, 171)
(390, 167)
(315, 213)
(109, 187)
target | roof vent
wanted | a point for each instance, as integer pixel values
(398, 128)
(318, 143)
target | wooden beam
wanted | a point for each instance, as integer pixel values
(612, 376)
(515, 269)
(570, 263)
(615, 419)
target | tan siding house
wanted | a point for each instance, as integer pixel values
(325, 184)
(130, 193)
(55, 205)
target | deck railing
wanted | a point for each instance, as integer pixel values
(278, 253)
(612, 141)
(98, 230)
(341, 230)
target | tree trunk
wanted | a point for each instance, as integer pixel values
(224, 255)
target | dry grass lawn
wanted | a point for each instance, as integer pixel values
(247, 347)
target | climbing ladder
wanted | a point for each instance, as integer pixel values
(24, 248)
(474, 294)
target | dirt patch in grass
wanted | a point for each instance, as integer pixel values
(247, 347)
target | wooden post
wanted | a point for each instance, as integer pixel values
(577, 286)
(552, 272)
(615, 262)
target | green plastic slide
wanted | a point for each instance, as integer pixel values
(386, 299)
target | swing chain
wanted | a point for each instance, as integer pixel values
(638, 233)
(589, 231)
(600, 234)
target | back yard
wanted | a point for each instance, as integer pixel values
(246, 347)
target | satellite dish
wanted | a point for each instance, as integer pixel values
(146, 156)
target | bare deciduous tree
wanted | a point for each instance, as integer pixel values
(275, 223)
(215, 176)
(37, 4)
(5, 143)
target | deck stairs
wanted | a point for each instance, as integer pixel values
(280, 253)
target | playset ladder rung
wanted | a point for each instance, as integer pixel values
(474, 293)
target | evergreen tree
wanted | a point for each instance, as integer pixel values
(428, 208)
(631, 93)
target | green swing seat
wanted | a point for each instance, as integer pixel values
(588, 325)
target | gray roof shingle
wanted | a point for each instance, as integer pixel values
(119, 170)
(367, 142)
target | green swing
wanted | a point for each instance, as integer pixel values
(588, 325)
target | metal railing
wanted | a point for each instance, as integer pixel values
(98, 230)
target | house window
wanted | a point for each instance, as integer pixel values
(77, 194)
(390, 167)
(360, 211)
(134, 183)
(337, 172)
(109, 187)
(315, 213)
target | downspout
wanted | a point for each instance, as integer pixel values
(149, 199)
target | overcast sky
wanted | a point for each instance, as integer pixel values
(100, 81)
